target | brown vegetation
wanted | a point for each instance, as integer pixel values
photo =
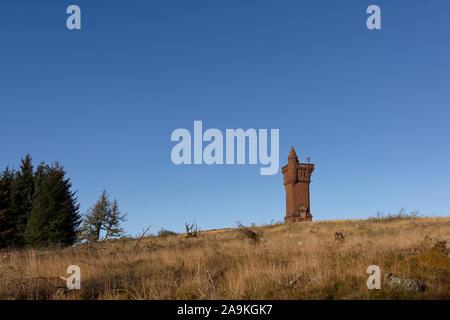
(290, 261)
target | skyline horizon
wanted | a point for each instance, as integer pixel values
(152, 231)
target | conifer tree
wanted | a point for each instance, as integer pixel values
(20, 205)
(6, 219)
(54, 218)
(112, 224)
(103, 216)
(39, 175)
(4, 230)
(6, 179)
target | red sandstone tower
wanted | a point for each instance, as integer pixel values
(296, 179)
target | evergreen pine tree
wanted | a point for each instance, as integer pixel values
(6, 179)
(6, 219)
(39, 175)
(22, 190)
(54, 218)
(4, 230)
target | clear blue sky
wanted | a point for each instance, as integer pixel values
(371, 108)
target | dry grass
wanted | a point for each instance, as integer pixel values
(291, 261)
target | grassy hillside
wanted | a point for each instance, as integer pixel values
(290, 261)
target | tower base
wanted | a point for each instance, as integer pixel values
(302, 214)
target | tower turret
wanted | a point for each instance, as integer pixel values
(291, 177)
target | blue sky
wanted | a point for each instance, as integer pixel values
(371, 108)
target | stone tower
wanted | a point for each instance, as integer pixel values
(296, 179)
